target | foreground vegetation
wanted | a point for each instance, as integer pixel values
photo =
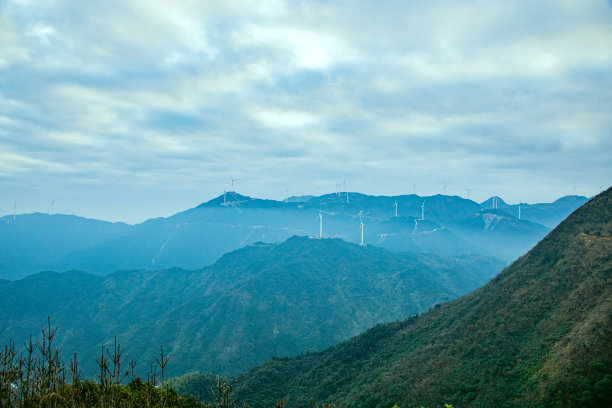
(38, 377)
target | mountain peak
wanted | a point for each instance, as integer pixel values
(228, 198)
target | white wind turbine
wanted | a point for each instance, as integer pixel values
(395, 205)
(233, 180)
(423, 211)
(320, 224)
(361, 226)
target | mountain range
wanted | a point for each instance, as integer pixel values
(537, 335)
(254, 303)
(444, 225)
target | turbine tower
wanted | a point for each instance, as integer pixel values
(519, 210)
(361, 225)
(15, 211)
(414, 187)
(233, 180)
(423, 211)
(395, 205)
(339, 191)
(468, 191)
(320, 224)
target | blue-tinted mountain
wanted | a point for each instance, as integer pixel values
(547, 214)
(199, 236)
(34, 242)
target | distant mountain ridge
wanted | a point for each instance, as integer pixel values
(260, 301)
(199, 236)
(538, 334)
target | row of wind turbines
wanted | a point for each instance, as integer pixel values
(361, 220)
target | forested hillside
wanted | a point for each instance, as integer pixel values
(538, 334)
(260, 301)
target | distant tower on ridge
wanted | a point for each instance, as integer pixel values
(320, 224)
(361, 224)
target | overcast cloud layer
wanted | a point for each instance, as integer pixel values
(124, 110)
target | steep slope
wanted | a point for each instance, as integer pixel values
(260, 301)
(539, 334)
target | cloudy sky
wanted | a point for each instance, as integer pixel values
(125, 110)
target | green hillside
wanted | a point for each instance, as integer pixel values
(539, 334)
(260, 301)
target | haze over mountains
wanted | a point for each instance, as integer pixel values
(199, 236)
(261, 301)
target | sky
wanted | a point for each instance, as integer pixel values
(132, 109)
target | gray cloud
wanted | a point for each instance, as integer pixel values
(140, 104)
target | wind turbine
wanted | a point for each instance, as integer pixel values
(339, 190)
(423, 211)
(468, 191)
(15, 211)
(233, 180)
(286, 195)
(414, 187)
(320, 224)
(444, 188)
(361, 224)
(519, 210)
(395, 205)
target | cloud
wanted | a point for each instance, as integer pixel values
(137, 97)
